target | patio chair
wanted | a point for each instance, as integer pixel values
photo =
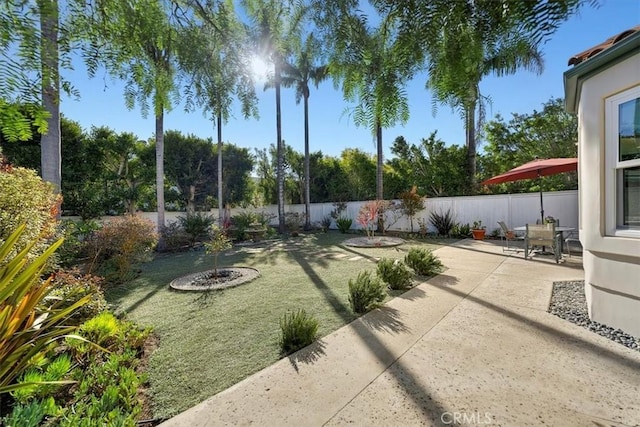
(572, 237)
(542, 236)
(508, 236)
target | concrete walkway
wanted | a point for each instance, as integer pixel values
(472, 346)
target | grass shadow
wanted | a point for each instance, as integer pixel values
(308, 355)
(385, 319)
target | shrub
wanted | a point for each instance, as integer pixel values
(443, 222)
(299, 329)
(366, 292)
(394, 273)
(461, 230)
(25, 337)
(293, 221)
(344, 224)
(423, 262)
(197, 226)
(174, 238)
(26, 199)
(69, 286)
(120, 243)
(325, 223)
(75, 234)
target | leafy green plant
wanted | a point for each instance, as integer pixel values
(325, 223)
(344, 224)
(394, 273)
(75, 235)
(443, 222)
(174, 238)
(219, 242)
(31, 414)
(461, 230)
(366, 292)
(43, 381)
(293, 221)
(26, 199)
(423, 262)
(477, 225)
(298, 329)
(69, 286)
(121, 242)
(29, 322)
(196, 225)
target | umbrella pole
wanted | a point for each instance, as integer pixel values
(541, 204)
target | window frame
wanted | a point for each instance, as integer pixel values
(614, 167)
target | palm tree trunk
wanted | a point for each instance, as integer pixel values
(280, 150)
(307, 184)
(50, 144)
(160, 167)
(470, 130)
(379, 175)
(220, 201)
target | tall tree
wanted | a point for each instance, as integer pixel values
(299, 73)
(274, 26)
(546, 133)
(213, 53)
(143, 36)
(465, 52)
(50, 144)
(373, 73)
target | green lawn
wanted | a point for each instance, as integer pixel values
(210, 341)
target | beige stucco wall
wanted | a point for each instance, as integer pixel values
(611, 264)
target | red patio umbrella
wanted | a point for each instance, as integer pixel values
(536, 169)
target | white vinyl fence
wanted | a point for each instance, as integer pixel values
(514, 209)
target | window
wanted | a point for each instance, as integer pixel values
(622, 118)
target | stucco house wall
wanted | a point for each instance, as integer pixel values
(611, 259)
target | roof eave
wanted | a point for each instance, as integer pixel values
(574, 77)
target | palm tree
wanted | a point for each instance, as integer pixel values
(213, 55)
(373, 74)
(461, 57)
(300, 74)
(274, 28)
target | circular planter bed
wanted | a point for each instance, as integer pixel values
(228, 277)
(374, 242)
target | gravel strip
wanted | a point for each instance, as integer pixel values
(569, 303)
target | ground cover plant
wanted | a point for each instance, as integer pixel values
(212, 340)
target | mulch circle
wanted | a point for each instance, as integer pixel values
(228, 277)
(374, 242)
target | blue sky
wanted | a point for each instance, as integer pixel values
(101, 100)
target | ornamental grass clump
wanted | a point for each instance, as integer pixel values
(423, 262)
(299, 329)
(394, 273)
(366, 292)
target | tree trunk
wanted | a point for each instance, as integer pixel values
(379, 175)
(191, 201)
(307, 175)
(220, 201)
(280, 150)
(50, 144)
(470, 130)
(160, 167)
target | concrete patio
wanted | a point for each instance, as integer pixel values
(474, 345)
